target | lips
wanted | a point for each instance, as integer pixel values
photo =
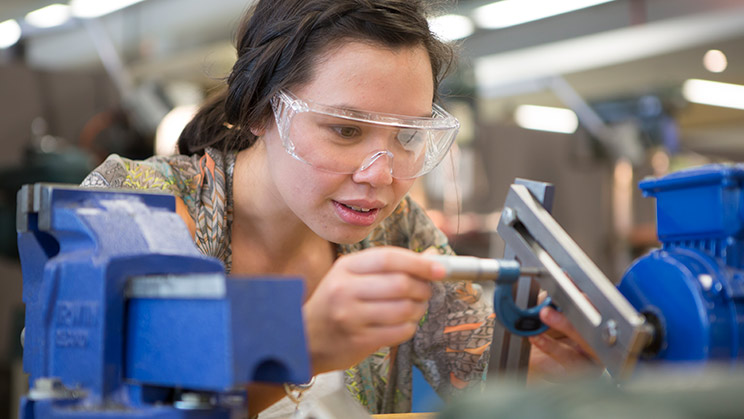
(358, 213)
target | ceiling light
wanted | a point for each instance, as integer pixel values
(10, 33)
(714, 93)
(715, 61)
(96, 8)
(544, 118)
(451, 27)
(49, 16)
(504, 13)
(524, 70)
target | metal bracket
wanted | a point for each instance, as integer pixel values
(512, 357)
(603, 317)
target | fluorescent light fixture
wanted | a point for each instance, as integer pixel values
(545, 118)
(451, 27)
(524, 70)
(505, 13)
(49, 16)
(10, 33)
(96, 8)
(714, 93)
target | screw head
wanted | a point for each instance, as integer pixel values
(509, 216)
(193, 401)
(46, 388)
(706, 281)
(609, 332)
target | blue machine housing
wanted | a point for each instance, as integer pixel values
(112, 353)
(692, 288)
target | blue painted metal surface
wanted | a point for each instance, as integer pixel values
(423, 396)
(131, 357)
(692, 289)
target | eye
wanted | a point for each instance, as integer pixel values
(410, 138)
(346, 131)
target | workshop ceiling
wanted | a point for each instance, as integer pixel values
(619, 49)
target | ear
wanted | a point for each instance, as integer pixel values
(258, 131)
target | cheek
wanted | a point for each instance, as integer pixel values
(296, 183)
(401, 188)
(301, 186)
(307, 190)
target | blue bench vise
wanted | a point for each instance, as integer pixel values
(126, 318)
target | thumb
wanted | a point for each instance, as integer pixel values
(432, 250)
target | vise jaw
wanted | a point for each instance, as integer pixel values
(125, 317)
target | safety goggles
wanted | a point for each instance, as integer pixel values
(345, 141)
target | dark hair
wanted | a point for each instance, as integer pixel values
(278, 43)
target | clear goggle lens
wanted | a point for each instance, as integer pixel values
(344, 141)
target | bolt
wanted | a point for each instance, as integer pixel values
(509, 216)
(52, 388)
(706, 281)
(47, 384)
(194, 401)
(609, 333)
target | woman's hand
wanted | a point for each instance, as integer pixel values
(368, 300)
(561, 351)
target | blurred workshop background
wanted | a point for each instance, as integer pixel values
(591, 95)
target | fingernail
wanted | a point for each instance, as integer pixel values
(546, 314)
(438, 270)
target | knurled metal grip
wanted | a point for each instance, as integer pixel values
(471, 268)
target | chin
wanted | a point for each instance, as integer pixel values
(348, 236)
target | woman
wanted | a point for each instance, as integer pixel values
(302, 166)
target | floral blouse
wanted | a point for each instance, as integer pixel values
(451, 344)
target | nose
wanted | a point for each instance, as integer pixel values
(376, 170)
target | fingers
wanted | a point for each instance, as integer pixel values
(377, 336)
(562, 352)
(542, 365)
(431, 251)
(390, 313)
(541, 296)
(558, 322)
(559, 359)
(393, 286)
(369, 299)
(394, 259)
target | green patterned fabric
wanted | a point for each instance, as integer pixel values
(452, 341)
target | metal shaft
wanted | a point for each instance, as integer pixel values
(470, 268)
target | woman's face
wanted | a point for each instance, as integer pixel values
(344, 208)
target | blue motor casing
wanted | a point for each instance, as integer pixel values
(692, 288)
